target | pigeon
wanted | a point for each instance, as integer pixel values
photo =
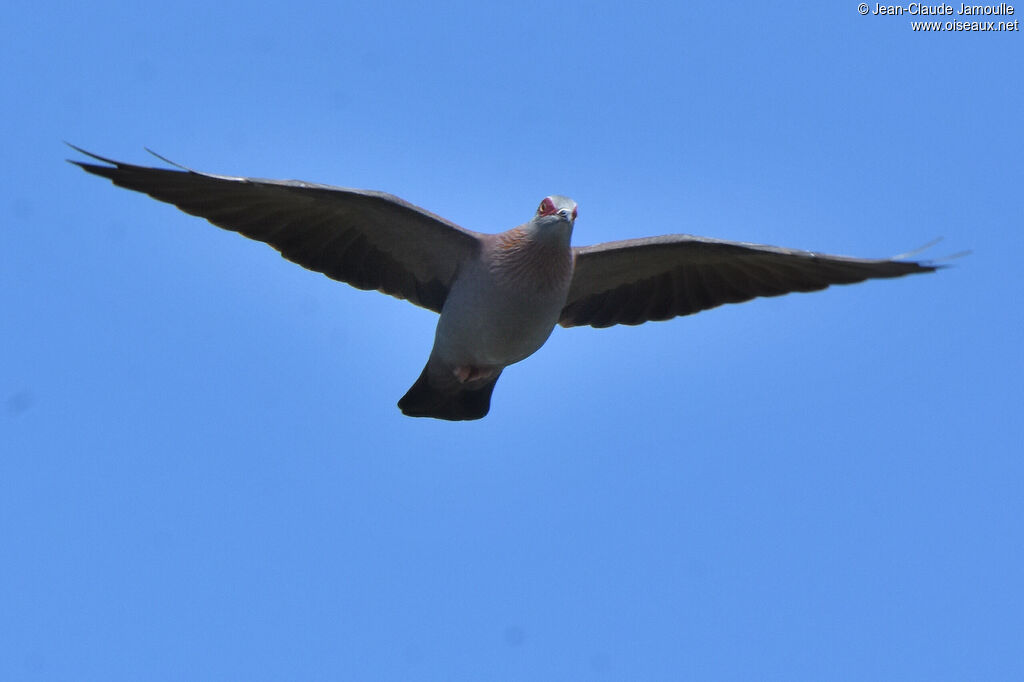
(501, 295)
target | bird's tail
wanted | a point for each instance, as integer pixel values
(452, 401)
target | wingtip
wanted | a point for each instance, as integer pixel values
(119, 164)
(168, 161)
(920, 249)
(89, 154)
(931, 264)
(943, 262)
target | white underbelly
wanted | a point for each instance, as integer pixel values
(491, 327)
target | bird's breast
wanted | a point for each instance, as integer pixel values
(504, 305)
(521, 260)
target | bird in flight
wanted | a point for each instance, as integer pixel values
(499, 296)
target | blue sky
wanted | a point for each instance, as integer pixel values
(203, 471)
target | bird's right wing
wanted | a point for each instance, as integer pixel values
(657, 278)
(370, 240)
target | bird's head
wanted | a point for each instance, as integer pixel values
(555, 215)
(559, 207)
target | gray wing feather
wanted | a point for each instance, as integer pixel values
(658, 278)
(370, 240)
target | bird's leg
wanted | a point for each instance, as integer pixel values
(467, 373)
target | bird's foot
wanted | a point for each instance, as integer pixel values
(467, 373)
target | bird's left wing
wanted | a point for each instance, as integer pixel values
(370, 240)
(657, 278)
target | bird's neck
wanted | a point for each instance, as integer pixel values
(540, 261)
